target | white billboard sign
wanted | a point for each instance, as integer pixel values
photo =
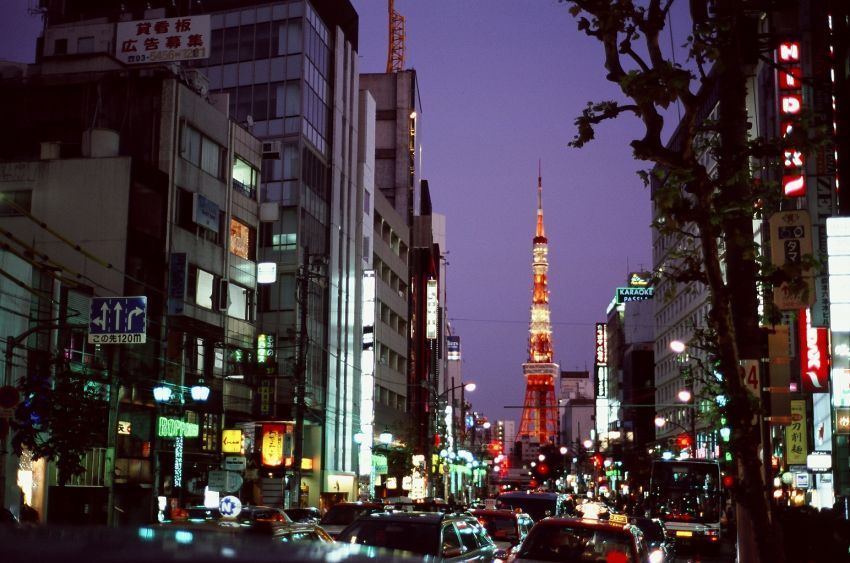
(161, 40)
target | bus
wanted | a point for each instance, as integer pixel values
(688, 497)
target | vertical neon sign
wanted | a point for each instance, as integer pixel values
(790, 106)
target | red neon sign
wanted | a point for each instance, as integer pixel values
(814, 358)
(790, 106)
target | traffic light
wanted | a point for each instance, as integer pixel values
(684, 441)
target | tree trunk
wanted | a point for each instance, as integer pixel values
(736, 312)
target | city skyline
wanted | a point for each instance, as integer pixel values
(492, 109)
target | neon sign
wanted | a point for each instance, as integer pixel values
(173, 427)
(790, 106)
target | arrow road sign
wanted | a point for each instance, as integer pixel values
(118, 320)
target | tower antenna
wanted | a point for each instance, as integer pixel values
(395, 52)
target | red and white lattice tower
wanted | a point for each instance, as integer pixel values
(540, 409)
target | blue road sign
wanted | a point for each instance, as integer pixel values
(118, 320)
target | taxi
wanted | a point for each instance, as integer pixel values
(589, 537)
(507, 527)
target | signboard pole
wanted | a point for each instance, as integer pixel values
(111, 434)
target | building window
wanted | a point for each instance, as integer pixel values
(244, 178)
(209, 432)
(60, 46)
(204, 288)
(284, 242)
(241, 302)
(242, 240)
(13, 203)
(201, 151)
(85, 45)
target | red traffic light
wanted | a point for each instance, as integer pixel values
(542, 469)
(684, 441)
(728, 481)
(597, 460)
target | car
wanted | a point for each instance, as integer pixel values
(537, 504)
(342, 514)
(183, 542)
(573, 540)
(434, 536)
(307, 514)
(661, 544)
(507, 528)
(248, 513)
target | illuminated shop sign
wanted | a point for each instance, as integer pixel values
(453, 348)
(173, 427)
(790, 106)
(272, 445)
(626, 294)
(814, 355)
(432, 306)
(601, 345)
(640, 279)
(231, 441)
(161, 40)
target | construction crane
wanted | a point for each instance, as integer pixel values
(395, 53)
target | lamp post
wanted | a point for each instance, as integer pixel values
(661, 421)
(464, 386)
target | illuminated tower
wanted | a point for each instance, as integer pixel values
(540, 408)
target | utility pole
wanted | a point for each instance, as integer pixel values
(303, 298)
(303, 282)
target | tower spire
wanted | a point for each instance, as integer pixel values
(540, 410)
(540, 231)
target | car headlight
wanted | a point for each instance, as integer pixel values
(656, 556)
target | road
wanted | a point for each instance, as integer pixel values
(726, 554)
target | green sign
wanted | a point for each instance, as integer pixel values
(626, 294)
(379, 462)
(172, 427)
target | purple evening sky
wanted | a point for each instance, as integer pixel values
(501, 82)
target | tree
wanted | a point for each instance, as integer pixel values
(61, 417)
(714, 209)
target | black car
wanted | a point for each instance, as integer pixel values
(342, 514)
(662, 546)
(307, 515)
(434, 536)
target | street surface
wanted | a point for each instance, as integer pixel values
(726, 554)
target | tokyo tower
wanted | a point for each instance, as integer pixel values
(540, 408)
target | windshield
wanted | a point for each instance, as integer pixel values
(416, 537)
(500, 528)
(556, 543)
(685, 492)
(537, 507)
(339, 515)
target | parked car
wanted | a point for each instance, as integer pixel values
(307, 514)
(574, 540)
(537, 504)
(661, 544)
(249, 513)
(183, 542)
(434, 536)
(507, 528)
(342, 514)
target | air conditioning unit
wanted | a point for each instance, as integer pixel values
(271, 149)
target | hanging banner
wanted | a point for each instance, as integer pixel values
(272, 445)
(796, 435)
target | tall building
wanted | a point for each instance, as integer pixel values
(289, 71)
(539, 423)
(133, 203)
(393, 153)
